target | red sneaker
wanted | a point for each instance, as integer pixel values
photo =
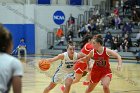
(62, 88)
(85, 83)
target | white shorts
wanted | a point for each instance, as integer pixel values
(60, 77)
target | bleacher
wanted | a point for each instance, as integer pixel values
(59, 49)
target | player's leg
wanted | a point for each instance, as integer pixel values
(90, 88)
(50, 87)
(105, 82)
(79, 69)
(68, 83)
(53, 83)
(88, 72)
(88, 77)
(77, 78)
(94, 79)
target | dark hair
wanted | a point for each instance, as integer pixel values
(5, 39)
(85, 39)
(70, 43)
(99, 39)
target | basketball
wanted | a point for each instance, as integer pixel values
(44, 65)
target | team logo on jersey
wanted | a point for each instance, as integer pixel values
(59, 17)
(101, 62)
(69, 64)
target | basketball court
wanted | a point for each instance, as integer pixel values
(125, 81)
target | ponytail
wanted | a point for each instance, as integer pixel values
(85, 39)
(99, 39)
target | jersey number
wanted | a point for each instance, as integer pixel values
(69, 66)
(101, 63)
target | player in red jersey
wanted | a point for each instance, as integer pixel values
(81, 68)
(101, 68)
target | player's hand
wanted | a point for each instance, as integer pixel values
(119, 67)
(89, 69)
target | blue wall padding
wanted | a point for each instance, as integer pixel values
(26, 31)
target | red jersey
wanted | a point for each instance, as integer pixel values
(101, 67)
(81, 67)
(87, 48)
(101, 60)
(116, 11)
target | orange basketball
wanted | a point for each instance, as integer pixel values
(44, 65)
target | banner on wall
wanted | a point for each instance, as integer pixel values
(58, 17)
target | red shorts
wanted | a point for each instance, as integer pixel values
(80, 67)
(97, 75)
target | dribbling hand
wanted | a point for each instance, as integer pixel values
(119, 67)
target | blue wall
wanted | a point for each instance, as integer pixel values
(75, 2)
(26, 31)
(44, 1)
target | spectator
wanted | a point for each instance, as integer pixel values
(138, 39)
(88, 27)
(126, 29)
(93, 27)
(125, 7)
(116, 11)
(82, 31)
(11, 70)
(22, 48)
(62, 40)
(70, 34)
(100, 23)
(111, 22)
(135, 15)
(71, 20)
(114, 43)
(117, 22)
(96, 12)
(119, 38)
(126, 43)
(108, 38)
(59, 33)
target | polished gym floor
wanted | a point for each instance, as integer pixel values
(125, 81)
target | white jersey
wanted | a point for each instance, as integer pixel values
(65, 69)
(9, 67)
(67, 64)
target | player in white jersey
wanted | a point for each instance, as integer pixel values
(64, 73)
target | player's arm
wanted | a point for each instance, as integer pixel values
(17, 76)
(86, 58)
(80, 55)
(58, 57)
(17, 84)
(116, 55)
